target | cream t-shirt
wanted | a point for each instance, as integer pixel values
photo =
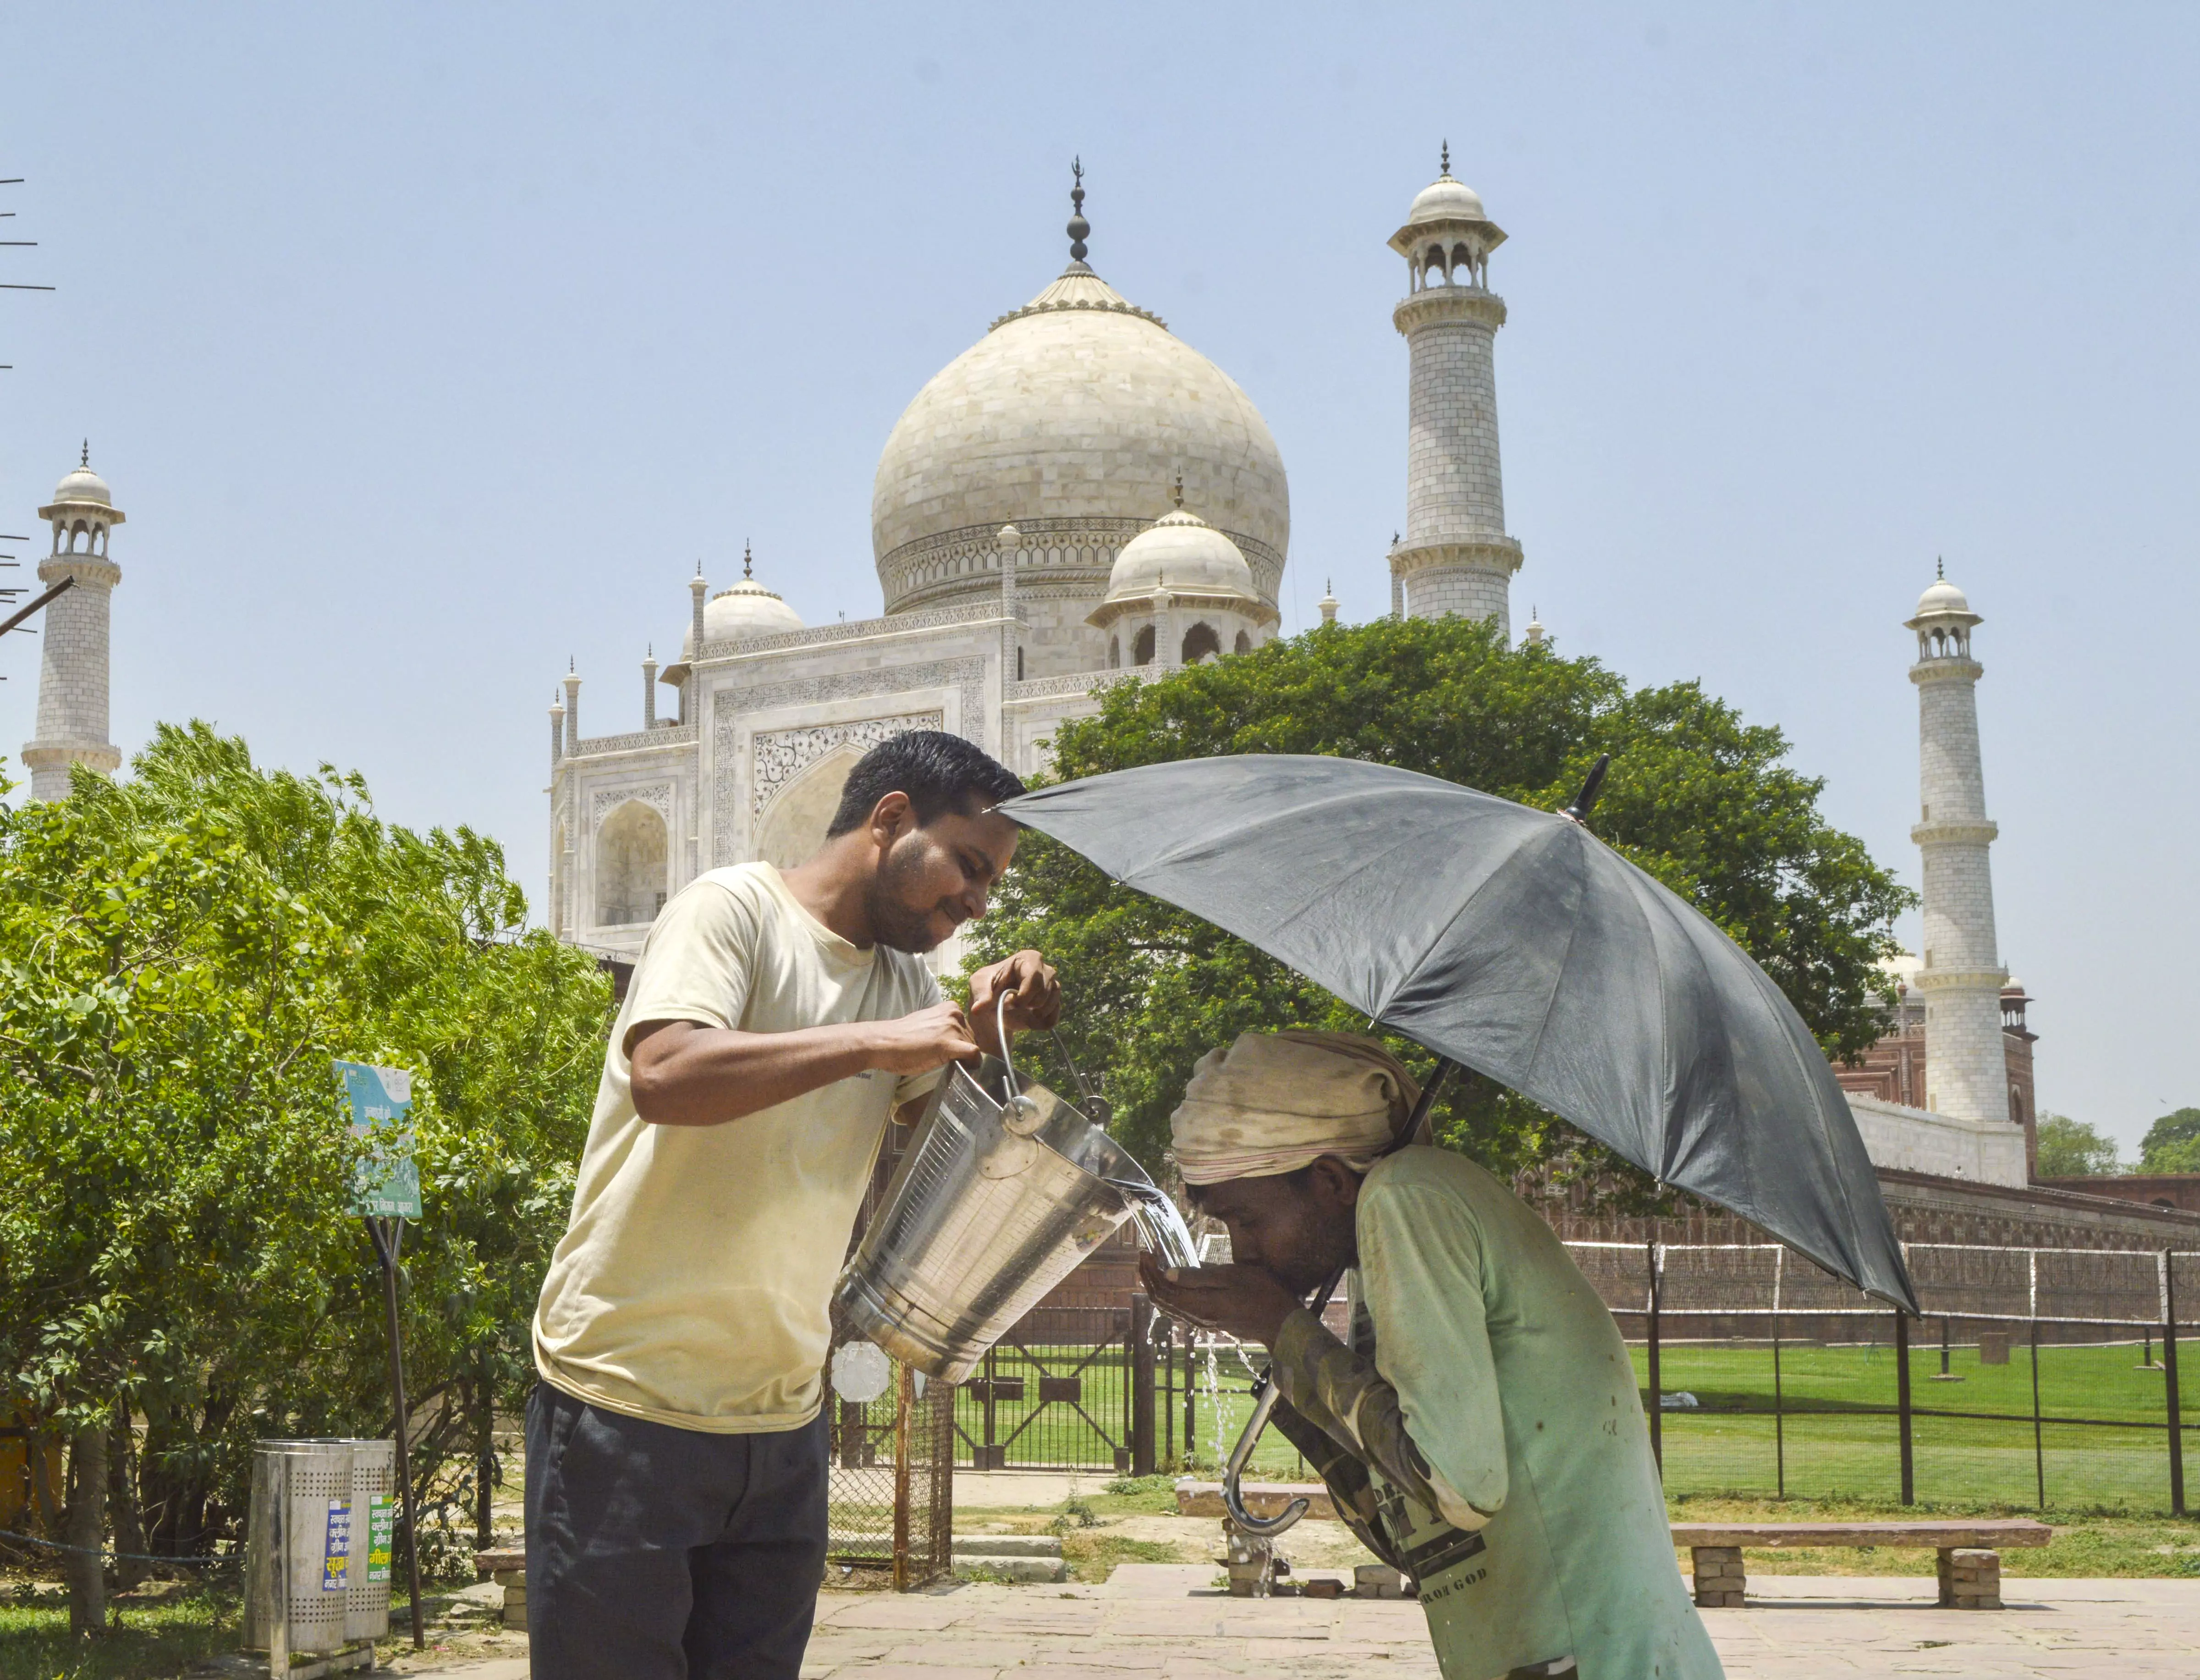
(692, 1286)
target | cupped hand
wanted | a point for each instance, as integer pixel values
(1033, 994)
(1240, 1301)
(916, 1044)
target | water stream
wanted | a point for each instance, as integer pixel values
(1159, 1221)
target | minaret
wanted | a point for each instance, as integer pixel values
(1966, 1071)
(1455, 557)
(72, 664)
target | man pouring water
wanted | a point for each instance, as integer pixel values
(1480, 1427)
(677, 1450)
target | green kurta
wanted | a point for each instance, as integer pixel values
(1501, 1405)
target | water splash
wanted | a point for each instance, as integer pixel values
(1214, 1400)
(1159, 1222)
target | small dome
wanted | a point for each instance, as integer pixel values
(1942, 598)
(1446, 200)
(83, 484)
(1182, 553)
(742, 614)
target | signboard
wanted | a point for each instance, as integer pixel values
(335, 1552)
(381, 1536)
(389, 1184)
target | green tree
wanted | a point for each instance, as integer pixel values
(2171, 1144)
(1703, 801)
(2070, 1149)
(181, 955)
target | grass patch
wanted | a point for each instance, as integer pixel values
(151, 1635)
(1093, 1557)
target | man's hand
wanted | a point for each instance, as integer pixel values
(916, 1044)
(1034, 998)
(1240, 1301)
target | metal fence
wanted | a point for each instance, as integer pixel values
(890, 1490)
(2036, 1375)
(2040, 1377)
(1054, 1393)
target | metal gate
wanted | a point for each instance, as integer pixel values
(1054, 1393)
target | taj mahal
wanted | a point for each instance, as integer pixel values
(1077, 497)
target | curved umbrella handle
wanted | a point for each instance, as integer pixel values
(1241, 1454)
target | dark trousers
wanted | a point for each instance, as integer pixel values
(663, 1553)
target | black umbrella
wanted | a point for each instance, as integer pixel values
(1516, 943)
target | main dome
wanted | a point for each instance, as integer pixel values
(1071, 419)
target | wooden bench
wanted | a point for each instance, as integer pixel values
(1970, 1553)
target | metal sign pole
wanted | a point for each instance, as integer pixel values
(387, 1234)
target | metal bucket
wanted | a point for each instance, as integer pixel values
(1005, 1190)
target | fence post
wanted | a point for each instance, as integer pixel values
(1902, 1401)
(2169, 1381)
(1657, 1398)
(1142, 1385)
(903, 1399)
(1779, 1425)
(2038, 1450)
(1167, 1404)
(1190, 1397)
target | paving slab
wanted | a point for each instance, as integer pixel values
(1152, 1622)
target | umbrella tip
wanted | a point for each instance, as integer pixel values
(1585, 801)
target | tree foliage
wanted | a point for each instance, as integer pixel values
(2070, 1149)
(182, 954)
(1703, 801)
(2171, 1144)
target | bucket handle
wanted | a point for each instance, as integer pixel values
(1020, 1115)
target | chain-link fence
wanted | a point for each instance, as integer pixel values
(2036, 1375)
(890, 1490)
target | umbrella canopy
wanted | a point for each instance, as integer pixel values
(1516, 943)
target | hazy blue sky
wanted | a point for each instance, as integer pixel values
(426, 346)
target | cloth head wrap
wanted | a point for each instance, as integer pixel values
(1272, 1103)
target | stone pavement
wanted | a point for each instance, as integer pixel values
(1157, 1622)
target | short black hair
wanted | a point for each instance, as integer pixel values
(938, 771)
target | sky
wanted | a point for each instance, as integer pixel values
(427, 348)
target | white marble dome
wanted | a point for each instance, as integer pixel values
(742, 614)
(1446, 200)
(83, 485)
(1181, 553)
(1071, 418)
(1942, 598)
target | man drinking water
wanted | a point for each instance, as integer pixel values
(676, 1445)
(1481, 1430)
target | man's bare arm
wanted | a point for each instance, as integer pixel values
(686, 1073)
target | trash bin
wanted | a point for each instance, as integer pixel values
(318, 1549)
(373, 1539)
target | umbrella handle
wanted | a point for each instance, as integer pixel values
(1267, 1527)
(1265, 1395)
